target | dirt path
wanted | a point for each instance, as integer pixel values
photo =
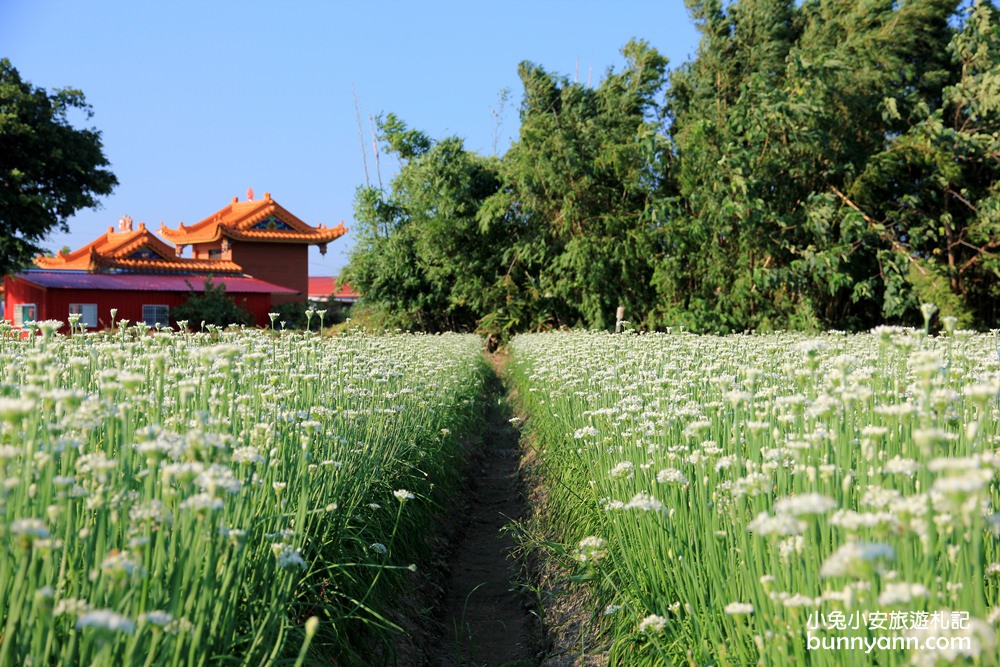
(469, 609)
(485, 621)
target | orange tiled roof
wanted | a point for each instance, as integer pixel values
(132, 250)
(262, 220)
(175, 265)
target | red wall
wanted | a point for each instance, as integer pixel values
(53, 304)
(18, 292)
(285, 264)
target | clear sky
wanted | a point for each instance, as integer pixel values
(199, 100)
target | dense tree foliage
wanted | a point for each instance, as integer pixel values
(211, 306)
(780, 112)
(932, 191)
(577, 197)
(421, 256)
(817, 164)
(48, 169)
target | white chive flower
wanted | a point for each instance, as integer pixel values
(738, 608)
(856, 559)
(653, 624)
(804, 504)
(105, 620)
(591, 549)
(624, 469)
(402, 495)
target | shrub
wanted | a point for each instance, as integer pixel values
(213, 306)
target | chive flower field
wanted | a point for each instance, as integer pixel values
(237, 497)
(775, 499)
(247, 497)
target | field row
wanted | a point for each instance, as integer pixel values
(226, 498)
(775, 499)
(252, 497)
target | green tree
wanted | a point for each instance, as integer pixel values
(933, 193)
(211, 306)
(867, 67)
(421, 258)
(818, 164)
(577, 195)
(723, 230)
(781, 110)
(48, 169)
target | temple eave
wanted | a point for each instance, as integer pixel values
(168, 266)
(185, 237)
(58, 263)
(262, 236)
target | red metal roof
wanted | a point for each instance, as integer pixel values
(321, 287)
(147, 282)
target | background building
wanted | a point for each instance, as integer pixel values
(258, 250)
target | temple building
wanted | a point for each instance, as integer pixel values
(257, 249)
(262, 237)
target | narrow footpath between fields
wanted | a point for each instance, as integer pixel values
(485, 620)
(489, 610)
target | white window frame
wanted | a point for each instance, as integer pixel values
(88, 312)
(19, 313)
(152, 317)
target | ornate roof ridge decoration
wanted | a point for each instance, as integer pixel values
(129, 249)
(135, 250)
(114, 245)
(243, 221)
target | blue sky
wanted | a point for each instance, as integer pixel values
(198, 101)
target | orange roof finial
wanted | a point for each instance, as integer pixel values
(249, 194)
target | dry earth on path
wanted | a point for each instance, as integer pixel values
(486, 602)
(487, 621)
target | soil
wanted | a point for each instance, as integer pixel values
(486, 619)
(486, 601)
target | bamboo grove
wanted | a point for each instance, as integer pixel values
(827, 164)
